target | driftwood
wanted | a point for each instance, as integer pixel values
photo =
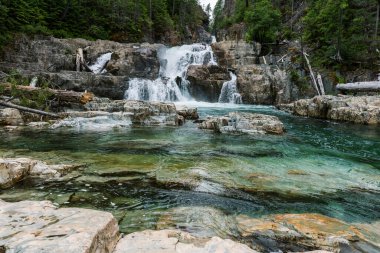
(359, 87)
(61, 95)
(27, 109)
(320, 84)
(80, 62)
(311, 74)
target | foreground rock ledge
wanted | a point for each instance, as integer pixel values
(247, 123)
(35, 227)
(362, 109)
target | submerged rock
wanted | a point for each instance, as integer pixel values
(362, 109)
(173, 241)
(34, 227)
(248, 123)
(187, 112)
(303, 232)
(13, 170)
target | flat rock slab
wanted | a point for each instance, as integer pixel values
(247, 123)
(38, 227)
(13, 170)
(173, 241)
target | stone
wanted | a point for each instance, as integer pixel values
(199, 221)
(14, 170)
(43, 170)
(187, 112)
(361, 109)
(174, 241)
(232, 53)
(247, 123)
(36, 227)
(10, 117)
(206, 82)
(306, 232)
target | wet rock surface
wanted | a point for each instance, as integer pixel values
(247, 123)
(13, 170)
(206, 81)
(172, 241)
(34, 227)
(362, 109)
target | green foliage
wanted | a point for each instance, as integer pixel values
(339, 30)
(302, 83)
(263, 21)
(121, 20)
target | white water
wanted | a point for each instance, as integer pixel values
(171, 84)
(229, 93)
(33, 83)
(99, 66)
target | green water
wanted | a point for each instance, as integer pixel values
(143, 174)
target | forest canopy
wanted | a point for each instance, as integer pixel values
(119, 20)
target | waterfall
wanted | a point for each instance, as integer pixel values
(99, 66)
(229, 93)
(171, 85)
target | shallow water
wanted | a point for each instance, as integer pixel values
(144, 174)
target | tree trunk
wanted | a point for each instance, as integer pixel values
(27, 109)
(359, 87)
(61, 95)
(312, 74)
(377, 20)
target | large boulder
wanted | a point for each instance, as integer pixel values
(35, 227)
(206, 82)
(10, 117)
(174, 241)
(247, 123)
(362, 109)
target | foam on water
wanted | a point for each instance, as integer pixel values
(229, 93)
(99, 66)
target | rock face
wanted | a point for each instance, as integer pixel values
(10, 117)
(262, 84)
(16, 169)
(174, 241)
(128, 112)
(362, 110)
(248, 123)
(257, 83)
(54, 60)
(35, 227)
(206, 82)
(232, 53)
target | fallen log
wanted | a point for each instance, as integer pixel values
(27, 109)
(61, 95)
(373, 86)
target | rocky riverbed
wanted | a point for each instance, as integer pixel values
(31, 226)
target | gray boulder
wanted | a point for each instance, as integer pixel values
(247, 123)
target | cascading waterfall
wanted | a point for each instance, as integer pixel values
(171, 84)
(99, 66)
(229, 93)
